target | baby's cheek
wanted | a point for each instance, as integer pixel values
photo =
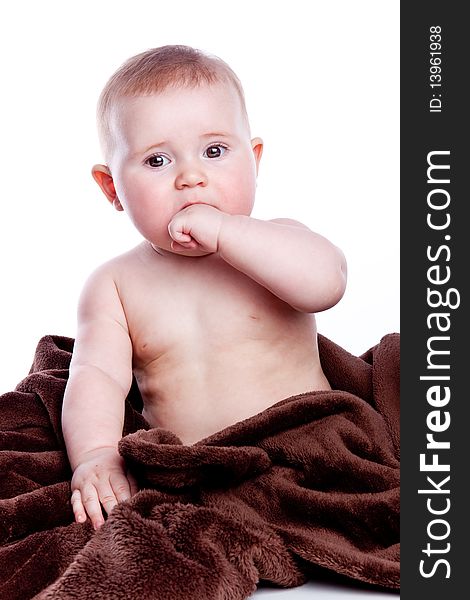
(150, 223)
(243, 200)
(247, 187)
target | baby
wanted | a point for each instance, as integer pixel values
(213, 312)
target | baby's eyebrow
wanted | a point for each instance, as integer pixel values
(215, 134)
(157, 145)
(151, 147)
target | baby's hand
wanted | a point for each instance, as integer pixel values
(100, 479)
(196, 227)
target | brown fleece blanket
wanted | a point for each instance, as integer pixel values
(311, 482)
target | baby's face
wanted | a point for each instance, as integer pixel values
(180, 147)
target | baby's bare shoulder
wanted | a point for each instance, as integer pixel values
(102, 284)
(118, 265)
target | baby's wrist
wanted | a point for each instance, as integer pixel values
(89, 454)
(230, 227)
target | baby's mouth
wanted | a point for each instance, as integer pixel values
(191, 204)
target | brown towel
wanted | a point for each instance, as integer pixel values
(311, 482)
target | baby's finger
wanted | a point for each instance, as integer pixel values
(183, 246)
(77, 507)
(92, 506)
(121, 486)
(133, 484)
(181, 238)
(176, 232)
(107, 497)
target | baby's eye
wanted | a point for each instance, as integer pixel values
(215, 151)
(157, 161)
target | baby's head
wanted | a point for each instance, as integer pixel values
(174, 130)
(155, 71)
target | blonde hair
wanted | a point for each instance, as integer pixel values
(155, 70)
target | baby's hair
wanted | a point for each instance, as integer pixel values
(155, 70)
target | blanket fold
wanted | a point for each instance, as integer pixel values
(312, 480)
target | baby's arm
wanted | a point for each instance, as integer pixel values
(301, 267)
(93, 409)
(296, 264)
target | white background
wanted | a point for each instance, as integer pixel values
(322, 87)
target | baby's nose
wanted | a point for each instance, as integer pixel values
(191, 176)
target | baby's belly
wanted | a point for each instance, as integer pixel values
(196, 392)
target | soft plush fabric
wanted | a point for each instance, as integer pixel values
(312, 481)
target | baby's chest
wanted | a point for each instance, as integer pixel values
(179, 316)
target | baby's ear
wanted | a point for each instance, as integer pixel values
(257, 146)
(102, 176)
